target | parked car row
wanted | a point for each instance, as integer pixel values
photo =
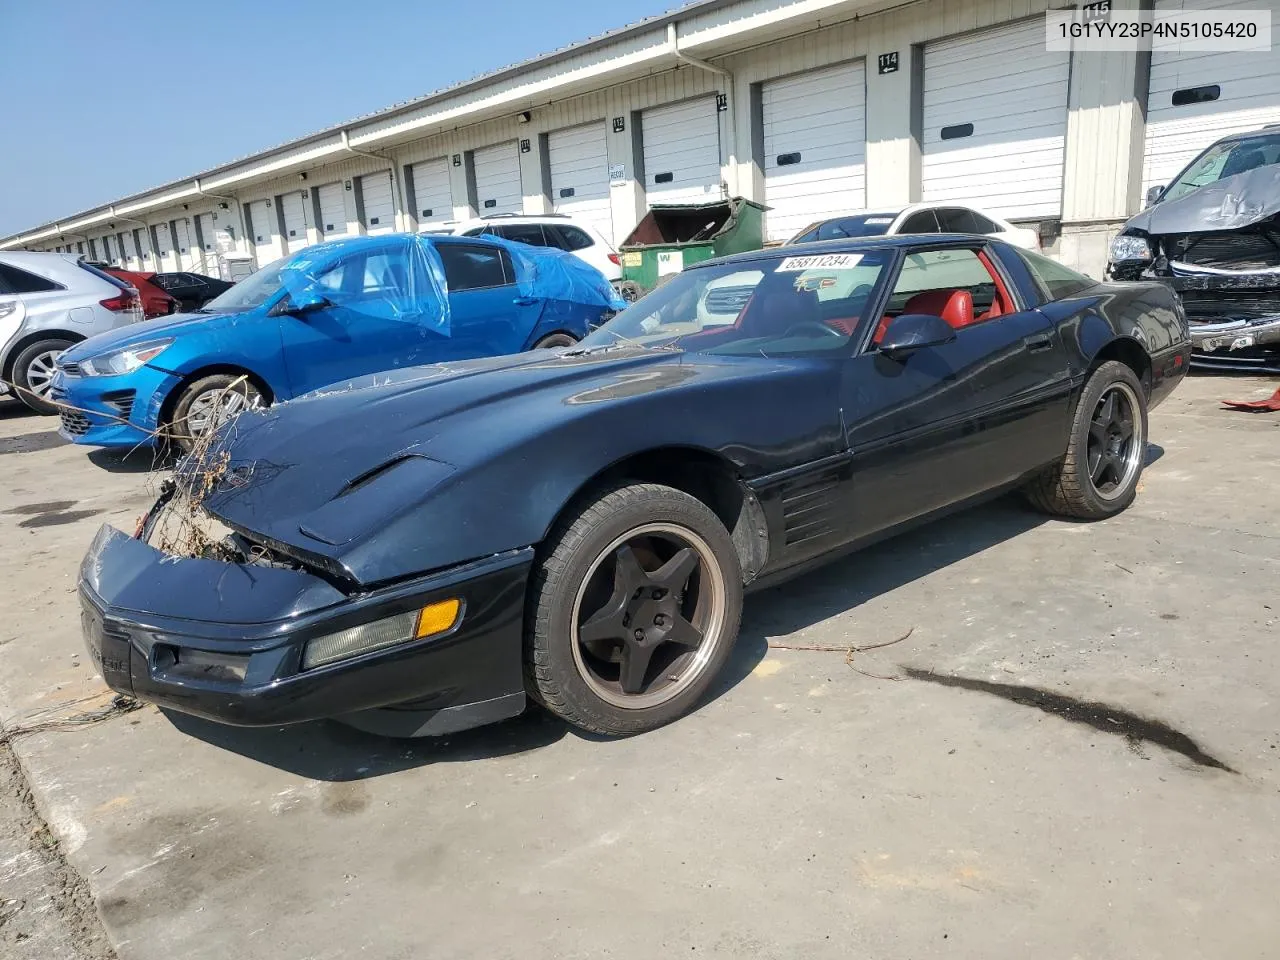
(430, 544)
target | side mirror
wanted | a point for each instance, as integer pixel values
(299, 303)
(1153, 194)
(911, 331)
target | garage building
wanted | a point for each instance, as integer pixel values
(811, 107)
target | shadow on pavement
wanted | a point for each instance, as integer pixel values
(132, 460)
(327, 750)
(333, 752)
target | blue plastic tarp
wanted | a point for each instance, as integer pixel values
(403, 277)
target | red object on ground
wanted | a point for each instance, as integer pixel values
(155, 302)
(1270, 405)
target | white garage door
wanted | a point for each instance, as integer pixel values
(497, 171)
(333, 211)
(263, 237)
(432, 195)
(1198, 96)
(185, 241)
(133, 259)
(682, 152)
(379, 205)
(579, 167)
(995, 121)
(207, 241)
(294, 209)
(165, 259)
(815, 147)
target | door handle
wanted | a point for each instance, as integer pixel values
(525, 301)
(1039, 344)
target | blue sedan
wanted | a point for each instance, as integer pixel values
(326, 314)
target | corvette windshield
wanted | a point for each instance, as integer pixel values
(782, 305)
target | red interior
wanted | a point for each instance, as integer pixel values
(954, 306)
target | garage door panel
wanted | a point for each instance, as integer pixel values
(497, 173)
(378, 202)
(293, 207)
(265, 237)
(681, 144)
(432, 193)
(333, 211)
(1014, 93)
(1249, 97)
(817, 122)
(578, 162)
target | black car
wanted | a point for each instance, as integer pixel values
(1213, 235)
(191, 290)
(421, 551)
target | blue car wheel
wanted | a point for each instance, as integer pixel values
(210, 402)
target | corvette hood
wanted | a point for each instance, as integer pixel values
(297, 473)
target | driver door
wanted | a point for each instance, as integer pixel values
(920, 425)
(380, 317)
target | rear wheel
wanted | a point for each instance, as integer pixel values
(1107, 450)
(33, 371)
(633, 611)
(555, 340)
(208, 403)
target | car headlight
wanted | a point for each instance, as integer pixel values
(436, 618)
(123, 361)
(1130, 248)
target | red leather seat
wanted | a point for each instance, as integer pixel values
(953, 306)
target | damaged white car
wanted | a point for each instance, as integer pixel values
(1213, 235)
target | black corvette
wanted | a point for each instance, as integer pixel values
(420, 551)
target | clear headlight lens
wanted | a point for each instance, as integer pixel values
(1130, 248)
(414, 625)
(124, 361)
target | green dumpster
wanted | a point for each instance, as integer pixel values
(674, 236)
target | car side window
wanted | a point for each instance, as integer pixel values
(473, 267)
(530, 233)
(922, 221)
(957, 220)
(1055, 280)
(953, 283)
(985, 225)
(14, 280)
(192, 279)
(574, 238)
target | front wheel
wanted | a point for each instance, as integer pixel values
(633, 610)
(208, 403)
(1106, 452)
(33, 371)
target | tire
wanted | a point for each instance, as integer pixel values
(554, 340)
(581, 579)
(190, 417)
(1069, 487)
(33, 372)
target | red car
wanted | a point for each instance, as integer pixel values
(155, 302)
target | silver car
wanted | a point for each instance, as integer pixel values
(48, 301)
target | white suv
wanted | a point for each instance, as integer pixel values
(49, 301)
(550, 230)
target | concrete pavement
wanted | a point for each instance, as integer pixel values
(1077, 757)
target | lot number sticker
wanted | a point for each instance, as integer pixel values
(830, 261)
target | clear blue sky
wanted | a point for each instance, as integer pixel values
(104, 99)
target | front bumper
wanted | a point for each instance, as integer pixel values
(1234, 319)
(119, 411)
(142, 610)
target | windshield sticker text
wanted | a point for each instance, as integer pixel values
(830, 261)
